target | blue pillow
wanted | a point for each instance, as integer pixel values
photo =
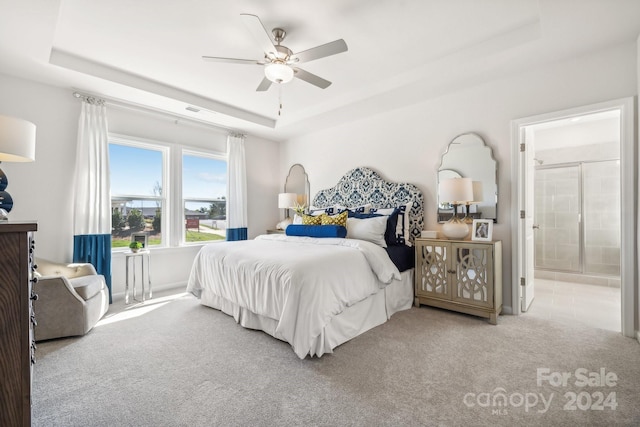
(316, 230)
(360, 215)
(391, 236)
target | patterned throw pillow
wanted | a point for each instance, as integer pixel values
(363, 209)
(311, 220)
(331, 210)
(340, 219)
(398, 231)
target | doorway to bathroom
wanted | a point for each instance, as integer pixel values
(575, 214)
(577, 219)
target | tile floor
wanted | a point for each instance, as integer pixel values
(591, 305)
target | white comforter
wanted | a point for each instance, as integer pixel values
(301, 282)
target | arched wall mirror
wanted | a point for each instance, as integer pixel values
(298, 182)
(468, 156)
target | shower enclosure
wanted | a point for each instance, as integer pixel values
(577, 217)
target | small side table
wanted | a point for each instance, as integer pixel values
(132, 256)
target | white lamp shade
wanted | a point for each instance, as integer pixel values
(455, 190)
(287, 200)
(278, 73)
(478, 196)
(17, 140)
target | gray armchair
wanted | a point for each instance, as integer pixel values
(71, 299)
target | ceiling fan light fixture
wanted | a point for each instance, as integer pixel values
(278, 72)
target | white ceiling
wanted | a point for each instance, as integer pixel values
(588, 129)
(148, 52)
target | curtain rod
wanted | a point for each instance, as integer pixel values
(88, 98)
(92, 99)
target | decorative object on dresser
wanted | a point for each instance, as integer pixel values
(467, 156)
(482, 230)
(455, 192)
(460, 275)
(17, 319)
(17, 144)
(72, 298)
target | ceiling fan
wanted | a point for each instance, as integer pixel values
(279, 61)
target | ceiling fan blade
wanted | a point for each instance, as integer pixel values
(259, 33)
(328, 49)
(311, 78)
(234, 60)
(265, 84)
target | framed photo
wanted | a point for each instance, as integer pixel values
(140, 237)
(482, 230)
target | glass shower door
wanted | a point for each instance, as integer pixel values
(602, 217)
(557, 215)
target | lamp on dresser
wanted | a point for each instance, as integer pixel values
(17, 144)
(286, 201)
(477, 198)
(455, 191)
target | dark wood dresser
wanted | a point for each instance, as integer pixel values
(17, 345)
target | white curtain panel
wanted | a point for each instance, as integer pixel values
(92, 204)
(237, 184)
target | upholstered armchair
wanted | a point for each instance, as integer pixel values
(71, 299)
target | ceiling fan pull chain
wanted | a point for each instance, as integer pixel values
(279, 100)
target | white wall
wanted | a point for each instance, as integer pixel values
(406, 144)
(43, 190)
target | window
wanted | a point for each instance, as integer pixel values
(137, 173)
(204, 188)
(173, 195)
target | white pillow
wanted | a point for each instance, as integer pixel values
(402, 226)
(369, 229)
(363, 209)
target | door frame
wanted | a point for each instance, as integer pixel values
(628, 191)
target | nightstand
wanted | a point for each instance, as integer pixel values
(459, 275)
(275, 231)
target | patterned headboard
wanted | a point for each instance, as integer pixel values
(363, 185)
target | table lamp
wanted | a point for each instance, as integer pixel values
(455, 191)
(286, 201)
(477, 198)
(17, 144)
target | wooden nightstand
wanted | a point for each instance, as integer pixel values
(458, 275)
(275, 231)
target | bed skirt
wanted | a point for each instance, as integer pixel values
(353, 321)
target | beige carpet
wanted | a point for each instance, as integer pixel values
(173, 362)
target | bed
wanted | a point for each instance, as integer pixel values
(317, 293)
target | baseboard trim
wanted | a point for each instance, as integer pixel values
(179, 286)
(506, 309)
